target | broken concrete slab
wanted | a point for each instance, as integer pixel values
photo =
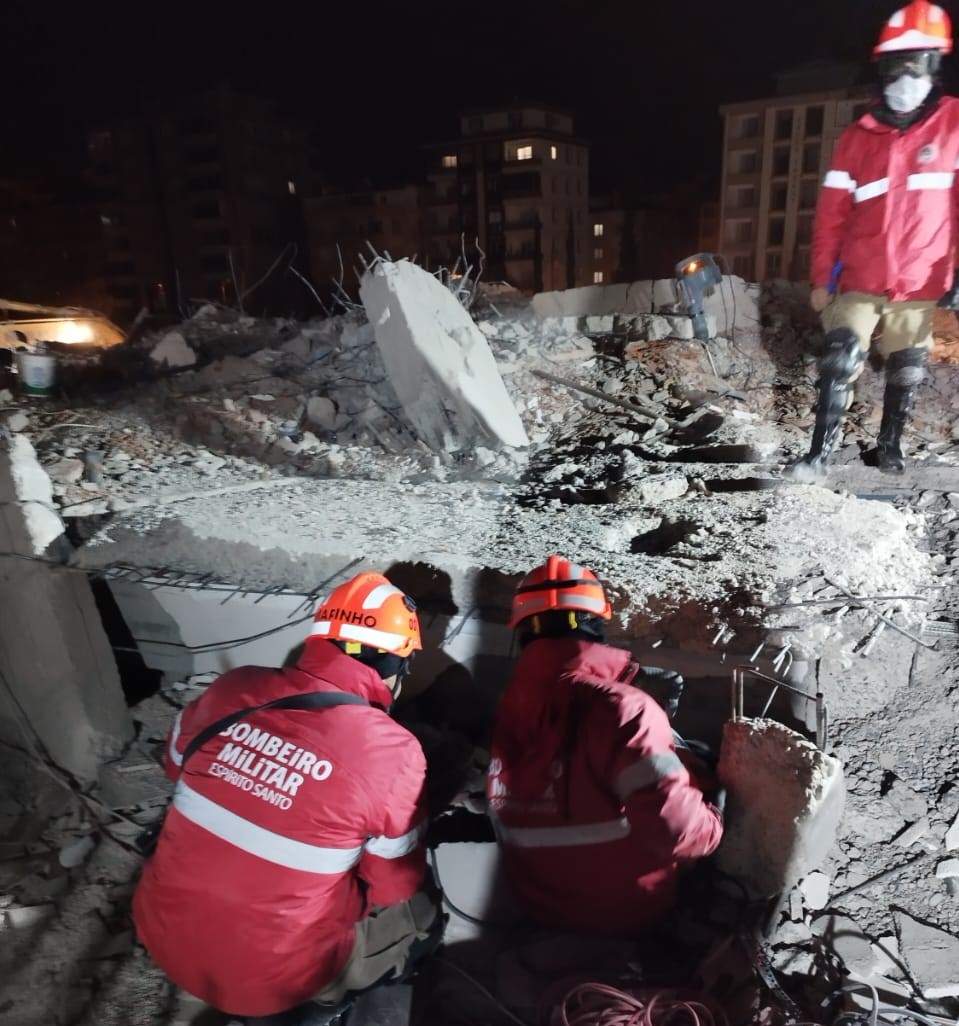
(932, 955)
(438, 361)
(173, 351)
(815, 891)
(786, 800)
(846, 938)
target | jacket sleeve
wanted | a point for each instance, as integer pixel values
(394, 859)
(833, 210)
(661, 802)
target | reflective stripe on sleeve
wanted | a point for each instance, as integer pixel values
(396, 847)
(839, 180)
(563, 836)
(871, 189)
(931, 180)
(647, 772)
(265, 844)
(175, 757)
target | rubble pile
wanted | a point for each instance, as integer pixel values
(264, 455)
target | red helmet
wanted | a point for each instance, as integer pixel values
(559, 584)
(369, 611)
(919, 26)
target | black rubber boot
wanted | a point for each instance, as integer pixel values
(841, 363)
(905, 371)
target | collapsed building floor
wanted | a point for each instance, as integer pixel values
(219, 478)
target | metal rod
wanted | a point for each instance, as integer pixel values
(639, 411)
(769, 702)
(891, 623)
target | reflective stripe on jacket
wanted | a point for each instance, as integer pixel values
(888, 209)
(284, 830)
(588, 797)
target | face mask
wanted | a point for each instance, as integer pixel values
(907, 94)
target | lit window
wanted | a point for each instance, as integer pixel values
(291, 185)
(524, 152)
(597, 277)
(598, 254)
(553, 153)
(450, 160)
(598, 230)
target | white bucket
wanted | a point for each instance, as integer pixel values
(38, 372)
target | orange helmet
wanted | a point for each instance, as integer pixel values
(919, 26)
(559, 584)
(370, 611)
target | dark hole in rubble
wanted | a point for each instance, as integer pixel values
(573, 496)
(742, 484)
(661, 539)
(716, 454)
(136, 678)
(700, 429)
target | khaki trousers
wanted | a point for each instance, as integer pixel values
(382, 947)
(906, 325)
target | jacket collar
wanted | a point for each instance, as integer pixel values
(557, 657)
(323, 659)
(871, 123)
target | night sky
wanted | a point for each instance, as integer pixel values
(643, 78)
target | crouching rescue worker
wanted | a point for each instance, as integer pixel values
(884, 241)
(289, 870)
(592, 806)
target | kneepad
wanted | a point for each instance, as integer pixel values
(843, 357)
(907, 367)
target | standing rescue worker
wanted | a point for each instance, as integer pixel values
(592, 806)
(289, 867)
(885, 237)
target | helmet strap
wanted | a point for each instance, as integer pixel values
(559, 623)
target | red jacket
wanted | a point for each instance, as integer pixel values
(590, 801)
(888, 208)
(284, 831)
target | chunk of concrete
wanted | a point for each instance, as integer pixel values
(815, 891)
(173, 351)
(932, 956)
(845, 937)
(952, 835)
(321, 412)
(786, 800)
(439, 362)
(65, 471)
(18, 421)
(54, 653)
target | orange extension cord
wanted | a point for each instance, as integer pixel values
(595, 1004)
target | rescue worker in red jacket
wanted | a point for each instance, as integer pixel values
(288, 872)
(884, 239)
(593, 808)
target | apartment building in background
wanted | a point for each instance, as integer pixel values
(516, 179)
(776, 152)
(196, 201)
(340, 224)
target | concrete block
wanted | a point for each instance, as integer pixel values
(844, 936)
(472, 876)
(54, 653)
(601, 324)
(931, 954)
(173, 351)
(439, 362)
(22, 479)
(786, 800)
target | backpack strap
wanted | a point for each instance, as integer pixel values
(310, 700)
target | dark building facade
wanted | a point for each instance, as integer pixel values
(198, 201)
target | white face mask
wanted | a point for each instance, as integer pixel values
(907, 94)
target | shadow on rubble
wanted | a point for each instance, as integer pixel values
(791, 332)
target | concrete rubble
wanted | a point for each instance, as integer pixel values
(212, 478)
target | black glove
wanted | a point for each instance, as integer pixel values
(950, 301)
